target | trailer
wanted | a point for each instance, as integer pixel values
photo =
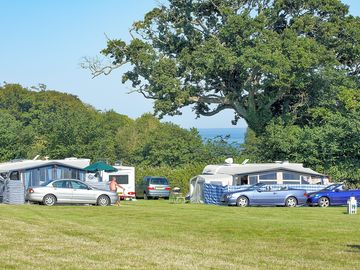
(125, 176)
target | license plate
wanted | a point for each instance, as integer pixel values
(159, 188)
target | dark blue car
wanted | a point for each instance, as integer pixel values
(334, 194)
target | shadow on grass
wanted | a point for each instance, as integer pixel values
(354, 248)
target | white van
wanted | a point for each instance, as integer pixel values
(125, 176)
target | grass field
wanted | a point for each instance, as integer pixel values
(159, 235)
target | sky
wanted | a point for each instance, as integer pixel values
(43, 42)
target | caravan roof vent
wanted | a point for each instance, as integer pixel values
(229, 161)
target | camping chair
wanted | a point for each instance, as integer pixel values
(176, 196)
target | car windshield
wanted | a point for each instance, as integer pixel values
(332, 187)
(159, 181)
(255, 186)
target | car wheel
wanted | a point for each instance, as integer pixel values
(324, 202)
(242, 201)
(146, 197)
(103, 200)
(49, 200)
(291, 202)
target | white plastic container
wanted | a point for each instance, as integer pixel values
(352, 206)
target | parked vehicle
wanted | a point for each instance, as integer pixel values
(125, 176)
(70, 191)
(262, 194)
(335, 194)
(153, 187)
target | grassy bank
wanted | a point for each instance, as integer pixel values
(158, 235)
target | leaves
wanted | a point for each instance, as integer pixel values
(261, 59)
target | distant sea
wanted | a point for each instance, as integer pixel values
(237, 135)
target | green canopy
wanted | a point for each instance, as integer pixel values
(100, 166)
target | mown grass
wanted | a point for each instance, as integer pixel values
(159, 235)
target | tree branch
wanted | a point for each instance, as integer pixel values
(218, 109)
(97, 68)
(215, 99)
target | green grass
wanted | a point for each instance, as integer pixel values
(159, 235)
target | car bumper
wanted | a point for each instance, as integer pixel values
(33, 197)
(159, 193)
(227, 200)
(312, 202)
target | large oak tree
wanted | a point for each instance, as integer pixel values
(260, 58)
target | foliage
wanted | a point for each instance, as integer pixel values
(13, 142)
(58, 125)
(262, 59)
(329, 143)
(149, 142)
(220, 147)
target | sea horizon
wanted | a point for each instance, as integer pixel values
(236, 135)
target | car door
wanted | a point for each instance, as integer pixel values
(63, 191)
(278, 196)
(264, 196)
(82, 193)
(355, 193)
(340, 197)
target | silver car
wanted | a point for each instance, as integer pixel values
(153, 187)
(261, 194)
(70, 191)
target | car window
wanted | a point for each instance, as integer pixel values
(61, 184)
(332, 187)
(265, 188)
(78, 185)
(255, 186)
(159, 181)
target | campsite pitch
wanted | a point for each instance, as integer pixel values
(159, 235)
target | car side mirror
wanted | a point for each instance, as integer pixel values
(259, 190)
(337, 190)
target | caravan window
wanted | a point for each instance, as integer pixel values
(253, 179)
(268, 176)
(14, 175)
(291, 176)
(305, 179)
(120, 179)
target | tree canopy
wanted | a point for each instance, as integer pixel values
(59, 125)
(261, 59)
(329, 143)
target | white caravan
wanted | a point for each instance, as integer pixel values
(125, 176)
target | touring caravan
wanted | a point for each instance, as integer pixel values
(125, 176)
(241, 175)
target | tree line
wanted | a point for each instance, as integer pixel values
(58, 125)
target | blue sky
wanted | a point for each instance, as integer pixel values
(44, 41)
